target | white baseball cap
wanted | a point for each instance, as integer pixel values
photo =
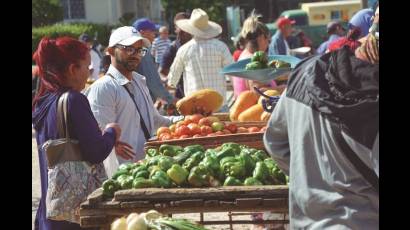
(126, 35)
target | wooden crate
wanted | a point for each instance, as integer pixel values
(98, 211)
(254, 140)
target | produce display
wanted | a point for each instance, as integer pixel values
(248, 106)
(259, 60)
(197, 125)
(153, 220)
(205, 101)
(173, 166)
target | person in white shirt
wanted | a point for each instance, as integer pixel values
(122, 96)
(201, 59)
(95, 57)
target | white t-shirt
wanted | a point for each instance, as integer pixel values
(95, 62)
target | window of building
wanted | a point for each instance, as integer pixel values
(335, 15)
(73, 9)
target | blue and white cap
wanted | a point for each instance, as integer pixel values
(126, 35)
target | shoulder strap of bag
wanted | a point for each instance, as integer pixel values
(62, 123)
(143, 126)
(360, 166)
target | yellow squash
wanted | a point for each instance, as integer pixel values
(205, 101)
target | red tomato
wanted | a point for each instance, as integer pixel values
(195, 118)
(242, 130)
(232, 127)
(166, 136)
(194, 128)
(253, 129)
(205, 130)
(204, 121)
(183, 136)
(182, 130)
(163, 130)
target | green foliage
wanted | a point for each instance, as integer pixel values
(215, 9)
(72, 30)
(45, 12)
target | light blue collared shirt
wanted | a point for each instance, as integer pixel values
(110, 102)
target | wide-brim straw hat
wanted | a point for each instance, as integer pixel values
(199, 25)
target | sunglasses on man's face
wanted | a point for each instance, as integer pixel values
(130, 50)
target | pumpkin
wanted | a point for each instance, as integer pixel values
(205, 101)
(251, 114)
(244, 101)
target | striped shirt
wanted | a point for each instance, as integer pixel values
(159, 47)
(201, 61)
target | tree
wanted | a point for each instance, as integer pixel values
(216, 9)
(45, 12)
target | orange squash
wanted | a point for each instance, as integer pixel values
(251, 114)
(244, 101)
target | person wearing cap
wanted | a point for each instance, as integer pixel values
(95, 56)
(169, 56)
(335, 31)
(324, 134)
(278, 44)
(362, 20)
(202, 58)
(122, 96)
(148, 68)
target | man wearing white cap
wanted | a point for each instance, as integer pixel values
(122, 96)
(202, 58)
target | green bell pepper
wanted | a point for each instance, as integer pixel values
(153, 169)
(126, 183)
(211, 164)
(225, 152)
(153, 161)
(232, 181)
(169, 150)
(261, 171)
(119, 173)
(198, 176)
(138, 169)
(126, 166)
(254, 65)
(165, 162)
(278, 176)
(109, 187)
(226, 160)
(282, 64)
(236, 147)
(259, 56)
(177, 174)
(142, 174)
(260, 155)
(152, 152)
(142, 183)
(211, 153)
(161, 179)
(247, 161)
(252, 181)
(234, 169)
(194, 148)
(193, 160)
(181, 157)
(270, 163)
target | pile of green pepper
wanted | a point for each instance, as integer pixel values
(193, 166)
(259, 60)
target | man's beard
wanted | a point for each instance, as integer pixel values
(130, 66)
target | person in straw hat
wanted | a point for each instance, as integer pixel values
(201, 59)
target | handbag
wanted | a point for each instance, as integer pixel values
(70, 178)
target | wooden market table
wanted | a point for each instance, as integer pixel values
(100, 212)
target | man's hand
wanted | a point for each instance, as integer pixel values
(124, 150)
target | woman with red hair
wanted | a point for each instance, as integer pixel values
(63, 67)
